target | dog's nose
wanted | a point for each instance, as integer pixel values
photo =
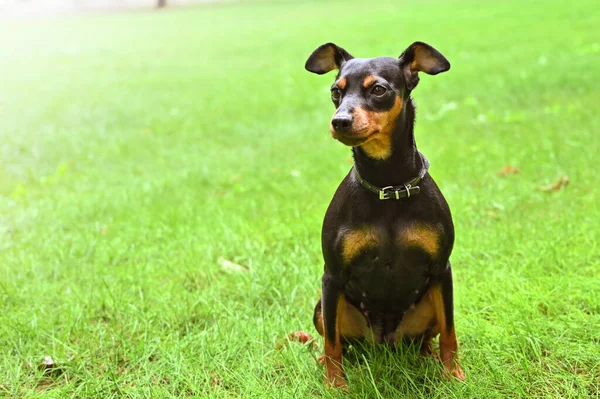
(342, 123)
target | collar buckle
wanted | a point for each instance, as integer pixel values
(406, 190)
(384, 194)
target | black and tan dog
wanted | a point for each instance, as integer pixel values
(388, 233)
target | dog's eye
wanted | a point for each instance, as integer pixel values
(379, 90)
(336, 94)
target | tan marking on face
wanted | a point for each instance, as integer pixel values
(331, 129)
(369, 80)
(341, 83)
(424, 236)
(356, 241)
(378, 127)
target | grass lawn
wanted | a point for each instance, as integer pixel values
(142, 152)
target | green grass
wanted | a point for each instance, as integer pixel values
(138, 149)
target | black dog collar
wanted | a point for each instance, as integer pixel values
(396, 192)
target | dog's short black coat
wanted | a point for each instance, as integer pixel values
(387, 272)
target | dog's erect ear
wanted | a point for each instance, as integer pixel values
(421, 57)
(327, 57)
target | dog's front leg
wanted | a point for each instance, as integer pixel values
(333, 306)
(442, 297)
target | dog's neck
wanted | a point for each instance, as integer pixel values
(404, 162)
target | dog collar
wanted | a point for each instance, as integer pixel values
(396, 192)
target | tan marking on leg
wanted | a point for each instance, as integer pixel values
(319, 321)
(356, 241)
(418, 320)
(341, 83)
(424, 236)
(448, 343)
(369, 80)
(379, 127)
(333, 351)
(354, 325)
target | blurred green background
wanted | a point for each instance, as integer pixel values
(164, 174)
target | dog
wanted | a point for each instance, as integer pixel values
(388, 232)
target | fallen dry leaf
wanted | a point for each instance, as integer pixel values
(230, 266)
(215, 380)
(557, 185)
(298, 336)
(508, 170)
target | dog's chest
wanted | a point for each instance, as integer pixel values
(387, 268)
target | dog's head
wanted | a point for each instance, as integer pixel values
(369, 93)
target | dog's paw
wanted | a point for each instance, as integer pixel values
(337, 383)
(455, 372)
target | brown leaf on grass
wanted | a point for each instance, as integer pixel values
(215, 380)
(557, 185)
(230, 266)
(508, 170)
(298, 336)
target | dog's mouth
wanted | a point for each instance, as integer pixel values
(354, 140)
